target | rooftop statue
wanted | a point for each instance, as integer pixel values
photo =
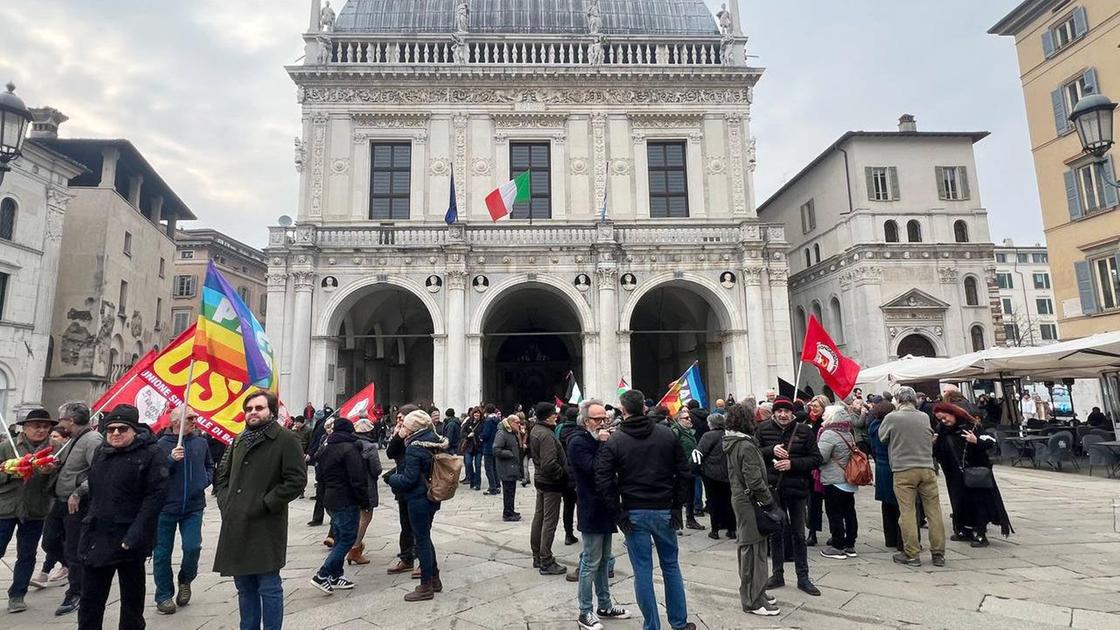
(326, 17)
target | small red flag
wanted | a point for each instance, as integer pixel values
(838, 371)
(360, 406)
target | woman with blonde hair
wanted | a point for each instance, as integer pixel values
(814, 415)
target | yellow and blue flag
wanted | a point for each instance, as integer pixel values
(229, 337)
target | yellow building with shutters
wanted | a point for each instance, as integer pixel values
(1066, 50)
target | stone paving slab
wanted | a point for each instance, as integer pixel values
(1060, 569)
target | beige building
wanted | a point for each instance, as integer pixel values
(1026, 294)
(1066, 50)
(243, 266)
(114, 281)
(33, 203)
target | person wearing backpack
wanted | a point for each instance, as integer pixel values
(836, 446)
(411, 484)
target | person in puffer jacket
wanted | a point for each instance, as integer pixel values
(835, 444)
(190, 472)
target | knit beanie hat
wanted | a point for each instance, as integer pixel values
(417, 421)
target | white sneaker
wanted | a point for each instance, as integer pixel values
(589, 621)
(60, 575)
(766, 611)
(40, 579)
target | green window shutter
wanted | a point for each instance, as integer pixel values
(1073, 196)
(1061, 118)
(870, 174)
(1085, 288)
(962, 176)
(939, 173)
(893, 174)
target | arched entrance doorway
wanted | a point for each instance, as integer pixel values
(672, 326)
(531, 340)
(919, 346)
(385, 337)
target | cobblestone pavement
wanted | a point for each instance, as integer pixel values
(1060, 569)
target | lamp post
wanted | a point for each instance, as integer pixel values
(14, 118)
(1092, 117)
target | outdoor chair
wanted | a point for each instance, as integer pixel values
(1099, 455)
(1057, 449)
(1010, 449)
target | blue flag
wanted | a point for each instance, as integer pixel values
(453, 208)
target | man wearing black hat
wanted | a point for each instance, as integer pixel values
(127, 485)
(24, 505)
(791, 454)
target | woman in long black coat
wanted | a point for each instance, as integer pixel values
(957, 444)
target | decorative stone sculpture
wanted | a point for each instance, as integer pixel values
(462, 16)
(727, 49)
(299, 154)
(594, 21)
(595, 55)
(326, 17)
(726, 26)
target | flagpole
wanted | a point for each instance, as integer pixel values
(186, 400)
(797, 384)
(11, 440)
(97, 411)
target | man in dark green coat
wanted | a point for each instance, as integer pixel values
(259, 475)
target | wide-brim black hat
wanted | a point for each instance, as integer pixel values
(38, 415)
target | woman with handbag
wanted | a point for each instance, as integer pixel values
(962, 453)
(756, 516)
(836, 445)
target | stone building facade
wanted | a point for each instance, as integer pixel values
(114, 281)
(889, 246)
(33, 204)
(243, 266)
(1026, 294)
(639, 253)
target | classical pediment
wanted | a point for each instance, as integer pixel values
(914, 300)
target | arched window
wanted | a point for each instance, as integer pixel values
(808, 257)
(800, 325)
(977, 334)
(890, 231)
(971, 294)
(815, 309)
(836, 323)
(817, 251)
(960, 231)
(7, 218)
(913, 231)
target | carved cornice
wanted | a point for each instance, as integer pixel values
(390, 121)
(545, 96)
(665, 120)
(527, 120)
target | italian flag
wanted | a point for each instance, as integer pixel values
(500, 202)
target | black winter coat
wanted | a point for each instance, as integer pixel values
(453, 431)
(699, 418)
(801, 441)
(713, 461)
(596, 515)
(643, 465)
(342, 472)
(127, 487)
(973, 508)
(371, 456)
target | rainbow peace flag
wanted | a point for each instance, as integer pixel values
(229, 337)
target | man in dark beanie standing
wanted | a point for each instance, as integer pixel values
(260, 474)
(127, 485)
(24, 504)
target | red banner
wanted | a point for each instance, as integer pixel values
(838, 371)
(361, 405)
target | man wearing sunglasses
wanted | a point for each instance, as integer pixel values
(127, 485)
(259, 475)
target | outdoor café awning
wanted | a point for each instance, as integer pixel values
(1087, 357)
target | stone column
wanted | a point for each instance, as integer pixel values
(297, 387)
(591, 364)
(157, 210)
(171, 223)
(135, 185)
(758, 378)
(473, 394)
(608, 330)
(109, 159)
(439, 372)
(955, 335)
(781, 339)
(623, 338)
(324, 359)
(274, 318)
(457, 369)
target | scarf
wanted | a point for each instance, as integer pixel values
(252, 435)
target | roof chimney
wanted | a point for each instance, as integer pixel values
(1008, 242)
(45, 122)
(907, 124)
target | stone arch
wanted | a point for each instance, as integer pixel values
(977, 337)
(928, 335)
(836, 319)
(553, 284)
(971, 286)
(337, 307)
(705, 287)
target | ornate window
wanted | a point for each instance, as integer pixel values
(536, 158)
(390, 181)
(971, 293)
(960, 231)
(837, 323)
(668, 181)
(890, 231)
(977, 334)
(913, 231)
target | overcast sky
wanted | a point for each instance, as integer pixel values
(199, 88)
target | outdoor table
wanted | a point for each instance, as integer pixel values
(1024, 443)
(1114, 447)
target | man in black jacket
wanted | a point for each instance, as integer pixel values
(642, 469)
(127, 485)
(345, 494)
(790, 451)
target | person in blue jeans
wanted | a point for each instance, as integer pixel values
(261, 473)
(489, 432)
(471, 448)
(190, 470)
(410, 484)
(643, 471)
(345, 494)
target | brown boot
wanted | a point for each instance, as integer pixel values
(437, 585)
(354, 556)
(400, 567)
(422, 593)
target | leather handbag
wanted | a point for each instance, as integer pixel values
(976, 477)
(769, 521)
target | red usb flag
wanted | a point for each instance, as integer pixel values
(838, 371)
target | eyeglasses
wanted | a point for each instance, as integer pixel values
(256, 407)
(118, 428)
(599, 418)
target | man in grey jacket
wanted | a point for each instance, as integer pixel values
(909, 440)
(71, 487)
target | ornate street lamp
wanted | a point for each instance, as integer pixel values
(14, 118)
(1092, 117)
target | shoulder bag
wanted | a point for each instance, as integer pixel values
(976, 477)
